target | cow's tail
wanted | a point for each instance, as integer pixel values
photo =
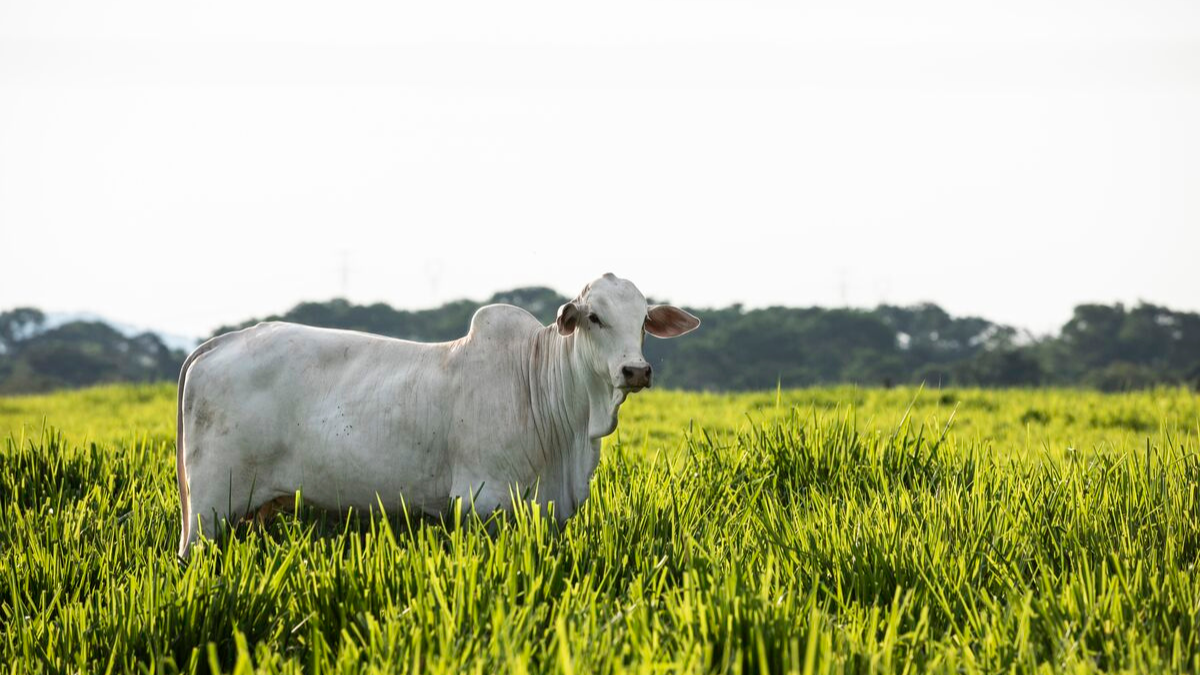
(180, 470)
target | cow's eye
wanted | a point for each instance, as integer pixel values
(594, 319)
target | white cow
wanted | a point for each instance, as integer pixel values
(349, 418)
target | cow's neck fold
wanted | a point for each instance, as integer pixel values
(565, 405)
(568, 398)
(575, 390)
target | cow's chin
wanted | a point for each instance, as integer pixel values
(618, 397)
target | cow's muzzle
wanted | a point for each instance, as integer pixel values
(635, 378)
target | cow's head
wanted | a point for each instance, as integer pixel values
(610, 320)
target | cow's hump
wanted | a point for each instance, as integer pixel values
(500, 322)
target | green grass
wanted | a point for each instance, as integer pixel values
(820, 530)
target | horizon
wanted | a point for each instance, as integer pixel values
(165, 166)
(57, 317)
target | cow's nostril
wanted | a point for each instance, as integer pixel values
(627, 372)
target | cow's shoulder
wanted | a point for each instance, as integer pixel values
(502, 322)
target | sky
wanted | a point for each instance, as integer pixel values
(180, 166)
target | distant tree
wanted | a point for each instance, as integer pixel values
(927, 334)
(17, 325)
(82, 353)
(1089, 338)
(1122, 376)
(1192, 376)
(1013, 367)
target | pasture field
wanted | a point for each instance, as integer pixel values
(816, 530)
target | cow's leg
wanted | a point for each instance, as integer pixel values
(222, 493)
(211, 501)
(274, 507)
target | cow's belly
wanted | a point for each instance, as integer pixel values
(343, 476)
(346, 468)
(349, 449)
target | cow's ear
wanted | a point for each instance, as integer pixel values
(665, 321)
(568, 318)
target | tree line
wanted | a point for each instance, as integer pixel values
(1107, 347)
(35, 357)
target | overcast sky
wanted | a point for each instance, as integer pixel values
(184, 165)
